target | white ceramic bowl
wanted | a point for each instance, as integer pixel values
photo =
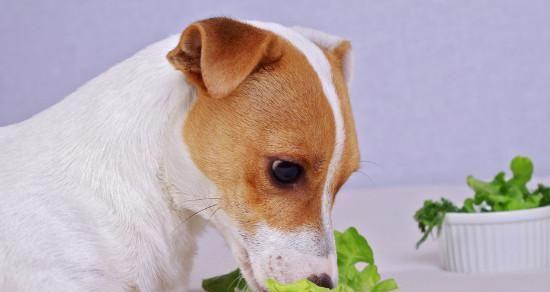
(496, 242)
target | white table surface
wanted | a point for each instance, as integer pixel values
(384, 215)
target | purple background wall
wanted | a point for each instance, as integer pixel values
(442, 89)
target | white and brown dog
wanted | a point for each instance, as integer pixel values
(256, 137)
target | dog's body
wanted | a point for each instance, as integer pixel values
(98, 192)
(87, 173)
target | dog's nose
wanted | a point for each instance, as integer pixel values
(322, 280)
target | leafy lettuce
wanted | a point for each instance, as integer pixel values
(351, 248)
(500, 194)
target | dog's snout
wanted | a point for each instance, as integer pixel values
(322, 280)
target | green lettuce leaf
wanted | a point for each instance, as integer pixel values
(299, 286)
(499, 194)
(544, 192)
(431, 216)
(351, 249)
(522, 171)
(229, 282)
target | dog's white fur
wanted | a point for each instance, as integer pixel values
(82, 204)
(96, 192)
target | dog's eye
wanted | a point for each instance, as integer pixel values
(285, 172)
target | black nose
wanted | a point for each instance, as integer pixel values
(322, 280)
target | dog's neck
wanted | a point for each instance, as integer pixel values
(115, 146)
(121, 136)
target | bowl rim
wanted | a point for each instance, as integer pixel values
(498, 217)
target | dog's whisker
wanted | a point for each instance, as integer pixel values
(198, 212)
(176, 190)
(202, 199)
(241, 279)
(186, 220)
(237, 280)
(365, 174)
(213, 213)
(368, 162)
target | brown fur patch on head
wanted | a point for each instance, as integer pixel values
(273, 107)
(279, 111)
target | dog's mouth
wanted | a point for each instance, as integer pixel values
(237, 244)
(243, 258)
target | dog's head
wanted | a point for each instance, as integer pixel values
(272, 129)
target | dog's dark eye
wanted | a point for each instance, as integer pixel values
(285, 172)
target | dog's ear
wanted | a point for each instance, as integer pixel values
(339, 47)
(342, 51)
(217, 54)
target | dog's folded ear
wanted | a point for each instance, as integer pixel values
(217, 54)
(339, 47)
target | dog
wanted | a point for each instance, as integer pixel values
(242, 125)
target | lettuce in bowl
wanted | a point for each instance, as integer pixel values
(498, 195)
